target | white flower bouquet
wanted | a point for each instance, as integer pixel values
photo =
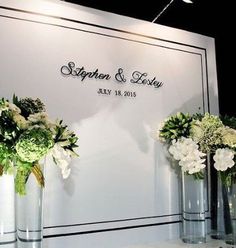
(191, 138)
(27, 135)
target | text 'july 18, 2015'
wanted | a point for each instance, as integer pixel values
(120, 93)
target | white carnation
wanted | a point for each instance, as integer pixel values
(224, 159)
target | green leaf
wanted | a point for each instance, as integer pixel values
(21, 178)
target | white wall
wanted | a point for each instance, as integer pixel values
(122, 190)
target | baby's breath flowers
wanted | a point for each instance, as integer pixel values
(228, 137)
(27, 135)
(206, 132)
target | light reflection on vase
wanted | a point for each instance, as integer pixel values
(218, 207)
(7, 212)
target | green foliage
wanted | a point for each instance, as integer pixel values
(229, 121)
(6, 157)
(198, 175)
(26, 136)
(190, 138)
(176, 126)
(197, 116)
(29, 106)
(9, 131)
(22, 175)
(65, 138)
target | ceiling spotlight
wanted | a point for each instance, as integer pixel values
(167, 6)
(187, 1)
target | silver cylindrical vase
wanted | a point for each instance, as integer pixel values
(193, 209)
(29, 209)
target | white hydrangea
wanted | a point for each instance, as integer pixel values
(224, 159)
(62, 159)
(186, 151)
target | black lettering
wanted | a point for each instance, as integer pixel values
(80, 72)
(138, 77)
(120, 76)
(67, 70)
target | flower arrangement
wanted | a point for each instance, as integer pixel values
(191, 138)
(27, 135)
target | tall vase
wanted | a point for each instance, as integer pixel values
(193, 210)
(219, 208)
(230, 213)
(7, 211)
(29, 209)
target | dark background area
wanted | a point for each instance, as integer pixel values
(212, 18)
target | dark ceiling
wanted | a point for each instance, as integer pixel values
(207, 17)
(199, 17)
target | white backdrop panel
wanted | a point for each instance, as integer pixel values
(122, 178)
